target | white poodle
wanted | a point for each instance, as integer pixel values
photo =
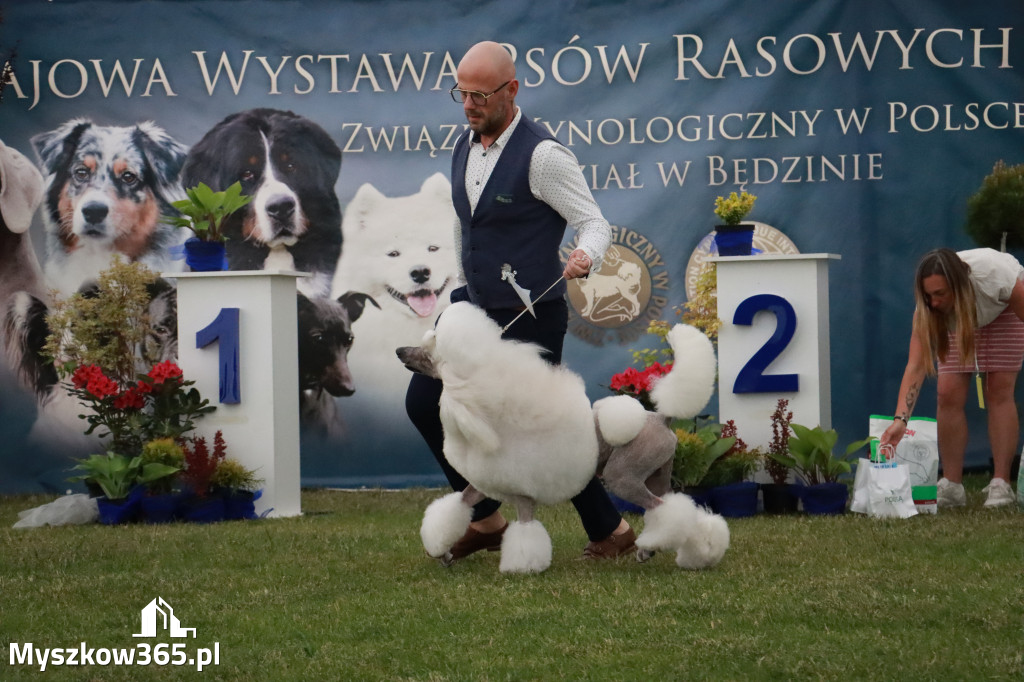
(523, 431)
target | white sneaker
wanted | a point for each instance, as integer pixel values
(999, 493)
(949, 494)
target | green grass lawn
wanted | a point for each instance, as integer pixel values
(345, 592)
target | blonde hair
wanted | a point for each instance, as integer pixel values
(933, 327)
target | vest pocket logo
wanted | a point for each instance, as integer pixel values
(503, 198)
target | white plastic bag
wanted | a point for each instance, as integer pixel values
(882, 489)
(64, 511)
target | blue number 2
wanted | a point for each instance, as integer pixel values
(224, 329)
(752, 378)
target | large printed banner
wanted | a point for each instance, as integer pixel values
(862, 127)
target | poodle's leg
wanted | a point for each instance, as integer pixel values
(624, 475)
(526, 545)
(471, 496)
(660, 484)
(524, 508)
(444, 522)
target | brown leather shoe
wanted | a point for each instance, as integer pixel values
(474, 541)
(612, 547)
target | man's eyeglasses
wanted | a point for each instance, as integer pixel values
(478, 98)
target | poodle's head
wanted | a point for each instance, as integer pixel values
(465, 339)
(420, 358)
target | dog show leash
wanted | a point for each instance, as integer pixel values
(509, 275)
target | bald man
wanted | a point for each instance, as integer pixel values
(515, 191)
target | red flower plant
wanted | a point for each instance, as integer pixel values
(729, 431)
(200, 463)
(639, 383)
(163, 371)
(159, 405)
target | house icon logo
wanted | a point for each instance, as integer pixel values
(158, 614)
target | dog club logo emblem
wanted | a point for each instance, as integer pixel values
(158, 615)
(616, 304)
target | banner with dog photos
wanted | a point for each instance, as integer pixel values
(862, 128)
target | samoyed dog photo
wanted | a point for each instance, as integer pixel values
(522, 430)
(401, 252)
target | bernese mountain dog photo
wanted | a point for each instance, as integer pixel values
(289, 165)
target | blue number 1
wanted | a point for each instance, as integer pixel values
(224, 329)
(752, 379)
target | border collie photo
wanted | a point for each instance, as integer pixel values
(400, 251)
(106, 188)
(289, 165)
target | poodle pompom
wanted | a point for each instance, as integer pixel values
(669, 525)
(445, 520)
(707, 545)
(683, 392)
(620, 419)
(525, 548)
(698, 537)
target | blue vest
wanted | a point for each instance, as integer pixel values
(509, 225)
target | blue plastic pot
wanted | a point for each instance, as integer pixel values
(160, 508)
(734, 500)
(209, 509)
(825, 498)
(203, 256)
(700, 495)
(240, 504)
(734, 240)
(113, 512)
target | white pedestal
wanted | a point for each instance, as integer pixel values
(761, 300)
(261, 430)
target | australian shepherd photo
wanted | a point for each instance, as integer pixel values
(289, 165)
(106, 188)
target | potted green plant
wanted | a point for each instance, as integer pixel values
(811, 459)
(239, 486)
(730, 492)
(700, 443)
(779, 496)
(201, 504)
(995, 213)
(204, 212)
(121, 479)
(733, 237)
(160, 503)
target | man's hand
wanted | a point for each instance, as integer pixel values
(578, 265)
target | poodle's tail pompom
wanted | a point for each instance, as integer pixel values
(525, 548)
(698, 537)
(620, 419)
(683, 392)
(445, 520)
